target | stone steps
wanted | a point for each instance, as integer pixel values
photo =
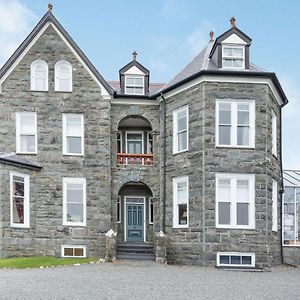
(134, 250)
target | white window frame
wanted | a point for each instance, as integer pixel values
(175, 201)
(175, 130)
(72, 180)
(274, 206)
(234, 122)
(57, 75)
(74, 247)
(274, 133)
(80, 134)
(18, 131)
(33, 66)
(134, 132)
(26, 223)
(233, 203)
(119, 212)
(133, 86)
(235, 254)
(151, 204)
(233, 46)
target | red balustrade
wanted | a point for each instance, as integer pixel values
(135, 159)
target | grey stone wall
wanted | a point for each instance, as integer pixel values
(291, 255)
(49, 233)
(135, 173)
(202, 240)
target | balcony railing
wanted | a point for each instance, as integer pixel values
(134, 159)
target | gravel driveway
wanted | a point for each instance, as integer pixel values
(147, 280)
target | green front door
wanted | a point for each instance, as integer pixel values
(135, 221)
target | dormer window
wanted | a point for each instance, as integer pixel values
(134, 85)
(233, 56)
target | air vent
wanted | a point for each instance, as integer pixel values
(73, 251)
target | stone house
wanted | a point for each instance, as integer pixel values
(197, 160)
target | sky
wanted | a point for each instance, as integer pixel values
(167, 34)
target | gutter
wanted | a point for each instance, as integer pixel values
(281, 191)
(163, 138)
(19, 164)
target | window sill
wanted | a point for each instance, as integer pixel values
(236, 147)
(39, 91)
(181, 227)
(73, 154)
(181, 151)
(75, 224)
(63, 91)
(27, 153)
(235, 228)
(18, 226)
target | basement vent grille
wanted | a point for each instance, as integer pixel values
(73, 251)
(235, 259)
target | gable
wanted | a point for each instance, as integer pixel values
(49, 21)
(134, 71)
(234, 39)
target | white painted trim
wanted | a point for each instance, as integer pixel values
(177, 180)
(134, 71)
(8, 72)
(64, 134)
(234, 124)
(26, 223)
(33, 66)
(66, 181)
(225, 79)
(57, 76)
(233, 57)
(74, 247)
(235, 254)
(18, 132)
(234, 39)
(133, 101)
(149, 212)
(134, 76)
(175, 130)
(274, 206)
(125, 214)
(274, 133)
(233, 177)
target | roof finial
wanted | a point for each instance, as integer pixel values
(211, 35)
(232, 22)
(50, 6)
(134, 55)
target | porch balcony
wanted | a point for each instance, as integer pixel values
(135, 159)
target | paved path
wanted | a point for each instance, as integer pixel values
(147, 280)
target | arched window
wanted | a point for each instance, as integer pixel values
(39, 75)
(63, 76)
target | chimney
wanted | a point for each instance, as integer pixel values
(232, 22)
(211, 35)
(134, 54)
(50, 6)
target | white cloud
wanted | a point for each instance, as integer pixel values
(199, 37)
(16, 21)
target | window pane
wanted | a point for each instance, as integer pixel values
(235, 260)
(224, 213)
(224, 259)
(40, 84)
(238, 52)
(64, 84)
(242, 214)
(75, 193)
(73, 125)
(182, 214)
(246, 260)
(139, 81)
(224, 135)
(130, 90)
(237, 63)
(224, 190)
(18, 210)
(289, 216)
(228, 51)
(68, 251)
(129, 80)
(135, 136)
(243, 117)
(78, 252)
(182, 193)
(27, 123)
(74, 145)
(27, 143)
(74, 212)
(227, 63)
(224, 117)
(243, 136)
(182, 141)
(242, 190)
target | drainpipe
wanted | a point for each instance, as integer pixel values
(282, 187)
(163, 138)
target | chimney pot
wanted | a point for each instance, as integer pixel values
(50, 6)
(211, 35)
(232, 22)
(134, 55)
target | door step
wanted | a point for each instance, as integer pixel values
(135, 250)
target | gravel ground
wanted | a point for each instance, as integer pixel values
(147, 280)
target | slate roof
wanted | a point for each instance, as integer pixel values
(48, 17)
(202, 62)
(19, 161)
(153, 87)
(291, 178)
